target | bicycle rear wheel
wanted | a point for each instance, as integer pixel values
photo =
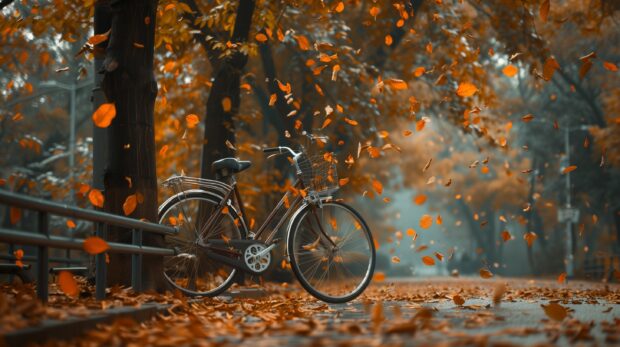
(332, 251)
(190, 270)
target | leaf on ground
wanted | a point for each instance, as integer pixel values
(458, 300)
(555, 311)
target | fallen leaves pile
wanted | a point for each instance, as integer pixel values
(452, 311)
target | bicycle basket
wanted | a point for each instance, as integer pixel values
(319, 174)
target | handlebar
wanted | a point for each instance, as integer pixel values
(279, 150)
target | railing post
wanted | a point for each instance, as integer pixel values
(100, 266)
(42, 259)
(136, 262)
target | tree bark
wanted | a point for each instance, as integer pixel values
(219, 124)
(130, 84)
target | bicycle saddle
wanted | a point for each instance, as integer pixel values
(232, 165)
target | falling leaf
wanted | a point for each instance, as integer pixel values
(486, 274)
(163, 150)
(458, 300)
(549, 68)
(303, 43)
(428, 164)
(192, 120)
(326, 122)
(104, 115)
(419, 199)
(374, 11)
(420, 124)
(419, 71)
(70, 224)
(343, 181)
(610, 66)
(555, 311)
(388, 40)
(377, 186)
(230, 145)
(426, 221)
(466, 89)
(395, 260)
(96, 198)
(527, 118)
(378, 277)
(260, 37)
(95, 245)
(99, 38)
(68, 284)
(226, 104)
(585, 67)
(506, 236)
(562, 278)
(428, 261)
(510, 70)
(396, 84)
(339, 7)
(439, 256)
(272, 99)
(350, 121)
(529, 237)
(130, 204)
(544, 10)
(568, 169)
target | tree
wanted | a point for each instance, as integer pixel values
(129, 174)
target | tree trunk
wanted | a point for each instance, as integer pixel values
(225, 93)
(130, 84)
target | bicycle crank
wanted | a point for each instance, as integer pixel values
(246, 255)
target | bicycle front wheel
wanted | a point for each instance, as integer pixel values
(332, 251)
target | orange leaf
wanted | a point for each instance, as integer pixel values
(419, 125)
(610, 66)
(350, 121)
(544, 10)
(95, 245)
(303, 43)
(163, 150)
(326, 122)
(506, 236)
(99, 38)
(527, 118)
(374, 11)
(378, 277)
(412, 233)
(426, 221)
(568, 169)
(70, 224)
(555, 311)
(466, 89)
(272, 99)
(549, 68)
(484, 273)
(343, 181)
(419, 71)
(395, 260)
(226, 104)
(510, 70)
(388, 40)
(130, 204)
(260, 37)
(377, 186)
(68, 284)
(96, 198)
(562, 278)
(192, 120)
(104, 115)
(419, 199)
(15, 214)
(458, 300)
(396, 84)
(529, 237)
(340, 7)
(427, 260)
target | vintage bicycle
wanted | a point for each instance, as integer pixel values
(329, 246)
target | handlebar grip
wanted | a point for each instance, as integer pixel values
(272, 150)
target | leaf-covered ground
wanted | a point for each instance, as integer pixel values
(450, 312)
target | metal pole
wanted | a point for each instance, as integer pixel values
(569, 259)
(72, 129)
(100, 267)
(42, 259)
(136, 262)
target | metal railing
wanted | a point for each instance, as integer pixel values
(43, 240)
